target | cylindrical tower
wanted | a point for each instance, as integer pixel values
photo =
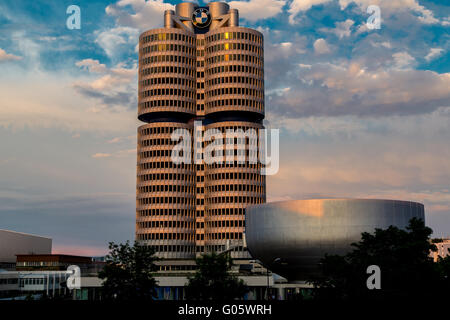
(186, 9)
(231, 186)
(234, 100)
(234, 18)
(168, 19)
(165, 203)
(217, 9)
(235, 72)
(167, 74)
(201, 68)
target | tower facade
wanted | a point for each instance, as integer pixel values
(200, 72)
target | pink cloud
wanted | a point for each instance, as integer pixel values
(89, 251)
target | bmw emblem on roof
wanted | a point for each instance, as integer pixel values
(201, 18)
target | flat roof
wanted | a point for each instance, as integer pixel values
(51, 255)
(25, 234)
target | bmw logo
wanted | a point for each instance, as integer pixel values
(201, 18)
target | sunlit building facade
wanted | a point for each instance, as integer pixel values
(201, 68)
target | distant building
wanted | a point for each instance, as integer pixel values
(28, 267)
(13, 243)
(19, 284)
(45, 274)
(442, 249)
(51, 262)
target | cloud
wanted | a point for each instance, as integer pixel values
(279, 91)
(115, 87)
(8, 57)
(143, 15)
(446, 21)
(343, 29)
(297, 6)
(348, 88)
(389, 7)
(117, 41)
(434, 53)
(307, 66)
(403, 60)
(321, 46)
(348, 168)
(279, 56)
(254, 10)
(126, 152)
(53, 38)
(122, 139)
(92, 66)
(101, 155)
(119, 153)
(440, 207)
(114, 140)
(362, 29)
(45, 100)
(80, 250)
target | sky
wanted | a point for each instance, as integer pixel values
(362, 113)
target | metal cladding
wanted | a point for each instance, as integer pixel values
(290, 237)
(13, 243)
(200, 67)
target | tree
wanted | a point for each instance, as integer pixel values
(128, 273)
(407, 270)
(213, 280)
(443, 266)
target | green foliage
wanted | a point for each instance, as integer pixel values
(213, 280)
(407, 270)
(128, 273)
(443, 268)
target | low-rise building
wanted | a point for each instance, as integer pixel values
(46, 275)
(54, 262)
(13, 243)
(443, 248)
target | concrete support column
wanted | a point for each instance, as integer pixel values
(217, 9)
(234, 18)
(185, 10)
(281, 294)
(168, 21)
